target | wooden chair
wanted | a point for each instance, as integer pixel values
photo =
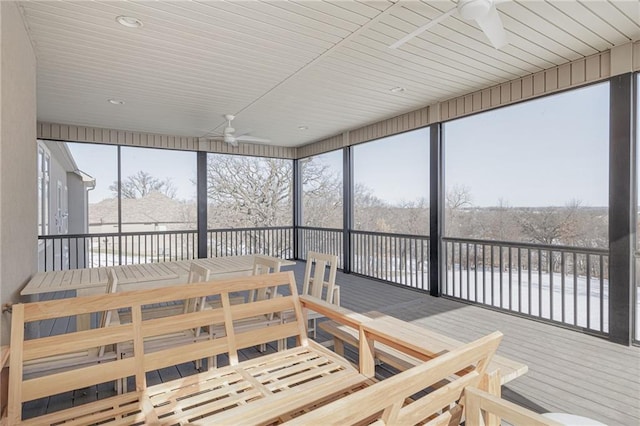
(64, 362)
(316, 285)
(264, 265)
(197, 274)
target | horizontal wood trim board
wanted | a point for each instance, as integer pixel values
(71, 133)
(574, 74)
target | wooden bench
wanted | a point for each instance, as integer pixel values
(287, 385)
(428, 340)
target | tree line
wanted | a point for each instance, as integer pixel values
(250, 192)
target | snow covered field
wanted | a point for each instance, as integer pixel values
(585, 304)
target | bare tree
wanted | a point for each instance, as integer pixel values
(369, 210)
(322, 195)
(457, 198)
(249, 191)
(142, 184)
(551, 225)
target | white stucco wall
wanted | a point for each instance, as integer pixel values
(18, 201)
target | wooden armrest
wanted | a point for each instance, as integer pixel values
(477, 401)
(342, 315)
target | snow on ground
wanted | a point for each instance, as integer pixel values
(548, 294)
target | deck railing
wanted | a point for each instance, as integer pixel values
(397, 258)
(323, 240)
(560, 284)
(72, 251)
(567, 285)
(61, 252)
(271, 241)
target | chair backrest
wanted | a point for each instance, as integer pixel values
(105, 318)
(112, 287)
(315, 273)
(197, 274)
(263, 265)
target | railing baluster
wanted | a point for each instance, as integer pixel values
(475, 272)
(529, 281)
(575, 289)
(601, 294)
(562, 284)
(589, 291)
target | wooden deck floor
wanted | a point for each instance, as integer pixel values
(568, 371)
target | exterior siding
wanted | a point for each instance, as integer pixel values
(71, 133)
(573, 74)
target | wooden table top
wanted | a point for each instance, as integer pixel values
(137, 276)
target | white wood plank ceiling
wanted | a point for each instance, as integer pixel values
(280, 65)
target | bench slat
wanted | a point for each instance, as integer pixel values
(128, 401)
(75, 342)
(71, 380)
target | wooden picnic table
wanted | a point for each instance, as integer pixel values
(90, 281)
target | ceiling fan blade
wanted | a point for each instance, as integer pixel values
(422, 29)
(247, 138)
(491, 25)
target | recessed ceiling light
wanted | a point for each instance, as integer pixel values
(397, 89)
(303, 127)
(129, 21)
(115, 101)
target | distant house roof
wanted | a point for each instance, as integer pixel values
(153, 208)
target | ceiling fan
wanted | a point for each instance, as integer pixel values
(228, 134)
(485, 14)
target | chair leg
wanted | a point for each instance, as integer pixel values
(282, 345)
(312, 327)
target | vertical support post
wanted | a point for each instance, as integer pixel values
(622, 231)
(201, 188)
(347, 206)
(436, 208)
(366, 354)
(119, 206)
(297, 206)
